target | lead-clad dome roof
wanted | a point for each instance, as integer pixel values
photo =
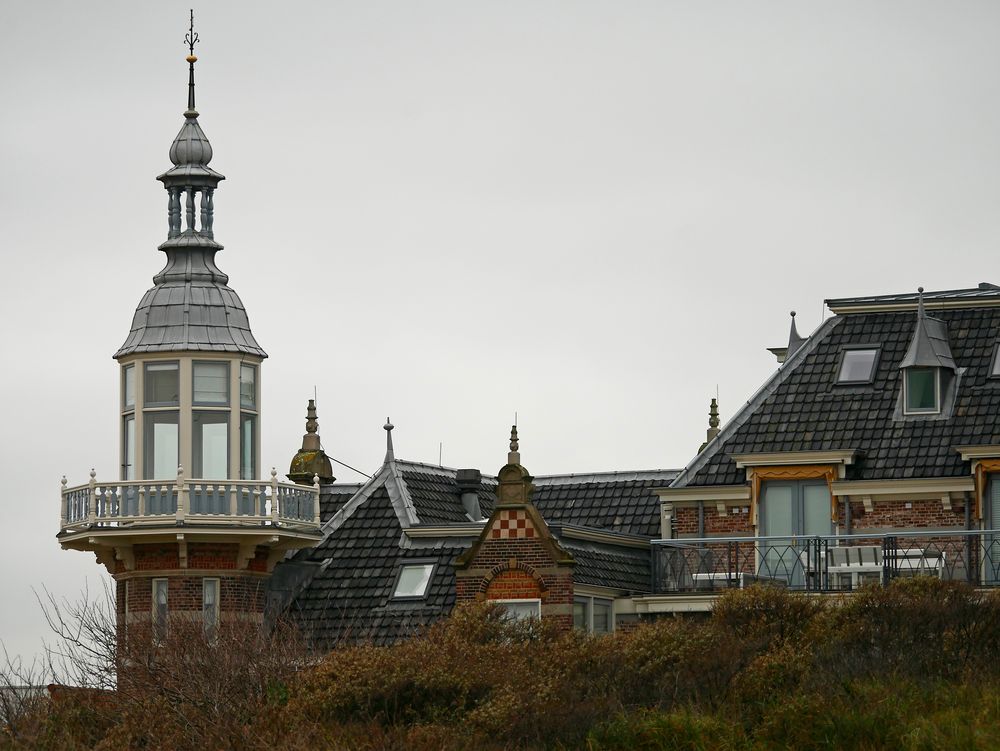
(177, 316)
(191, 145)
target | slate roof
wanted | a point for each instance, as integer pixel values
(333, 497)
(616, 501)
(803, 409)
(615, 567)
(349, 597)
(203, 316)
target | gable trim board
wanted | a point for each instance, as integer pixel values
(759, 397)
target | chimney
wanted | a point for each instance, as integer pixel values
(469, 481)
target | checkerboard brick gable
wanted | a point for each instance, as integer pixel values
(516, 557)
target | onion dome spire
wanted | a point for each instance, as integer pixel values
(190, 306)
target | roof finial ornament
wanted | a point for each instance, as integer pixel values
(389, 454)
(713, 423)
(794, 339)
(920, 302)
(514, 456)
(191, 39)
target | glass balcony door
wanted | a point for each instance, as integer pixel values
(793, 512)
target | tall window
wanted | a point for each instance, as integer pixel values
(791, 512)
(210, 445)
(128, 422)
(248, 446)
(210, 605)
(248, 386)
(922, 390)
(160, 445)
(160, 608)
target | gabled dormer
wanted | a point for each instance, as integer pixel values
(929, 374)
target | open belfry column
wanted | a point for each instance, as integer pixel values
(190, 529)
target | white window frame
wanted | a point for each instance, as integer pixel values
(414, 564)
(531, 600)
(937, 392)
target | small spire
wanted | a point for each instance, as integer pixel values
(514, 456)
(921, 312)
(794, 340)
(191, 39)
(311, 461)
(713, 423)
(389, 453)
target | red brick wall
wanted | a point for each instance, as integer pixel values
(923, 513)
(508, 569)
(734, 522)
(514, 584)
(237, 594)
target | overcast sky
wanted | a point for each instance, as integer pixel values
(591, 213)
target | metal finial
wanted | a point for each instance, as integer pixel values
(191, 39)
(920, 302)
(513, 438)
(390, 455)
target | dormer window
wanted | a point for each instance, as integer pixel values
(857, 365)
(921, 391)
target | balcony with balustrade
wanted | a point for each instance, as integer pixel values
(693, 571)
(101, 514)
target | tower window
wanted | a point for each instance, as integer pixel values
(210, 605)
(922, 391)
(211, 383)
(160, 608)
(210, 444)
(857, 365)
(128, 387)
(248, 386)
(162, 384)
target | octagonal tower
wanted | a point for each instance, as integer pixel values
(188, 530)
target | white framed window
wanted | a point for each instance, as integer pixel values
(921, 391)
(520, 610)
(248, 386)
(413, 580)
(160, 607)
(128, 388)
(210, 605)
(210, 444)
(211, 383)
(857, 365)
(248, 446)
(160, 445)
(161, 384)
(595, 615)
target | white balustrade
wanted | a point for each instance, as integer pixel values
(138, 502)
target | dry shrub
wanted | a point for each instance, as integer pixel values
(766, 615)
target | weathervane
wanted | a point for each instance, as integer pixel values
(191, 39)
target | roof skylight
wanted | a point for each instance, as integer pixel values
(857, 365)
(413, 580)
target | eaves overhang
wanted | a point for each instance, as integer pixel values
(984, 451)
(929, 485)
(843, 457)
(592, 534)
(695, 493)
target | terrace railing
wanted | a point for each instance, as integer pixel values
(182, 500)
(824, 564)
